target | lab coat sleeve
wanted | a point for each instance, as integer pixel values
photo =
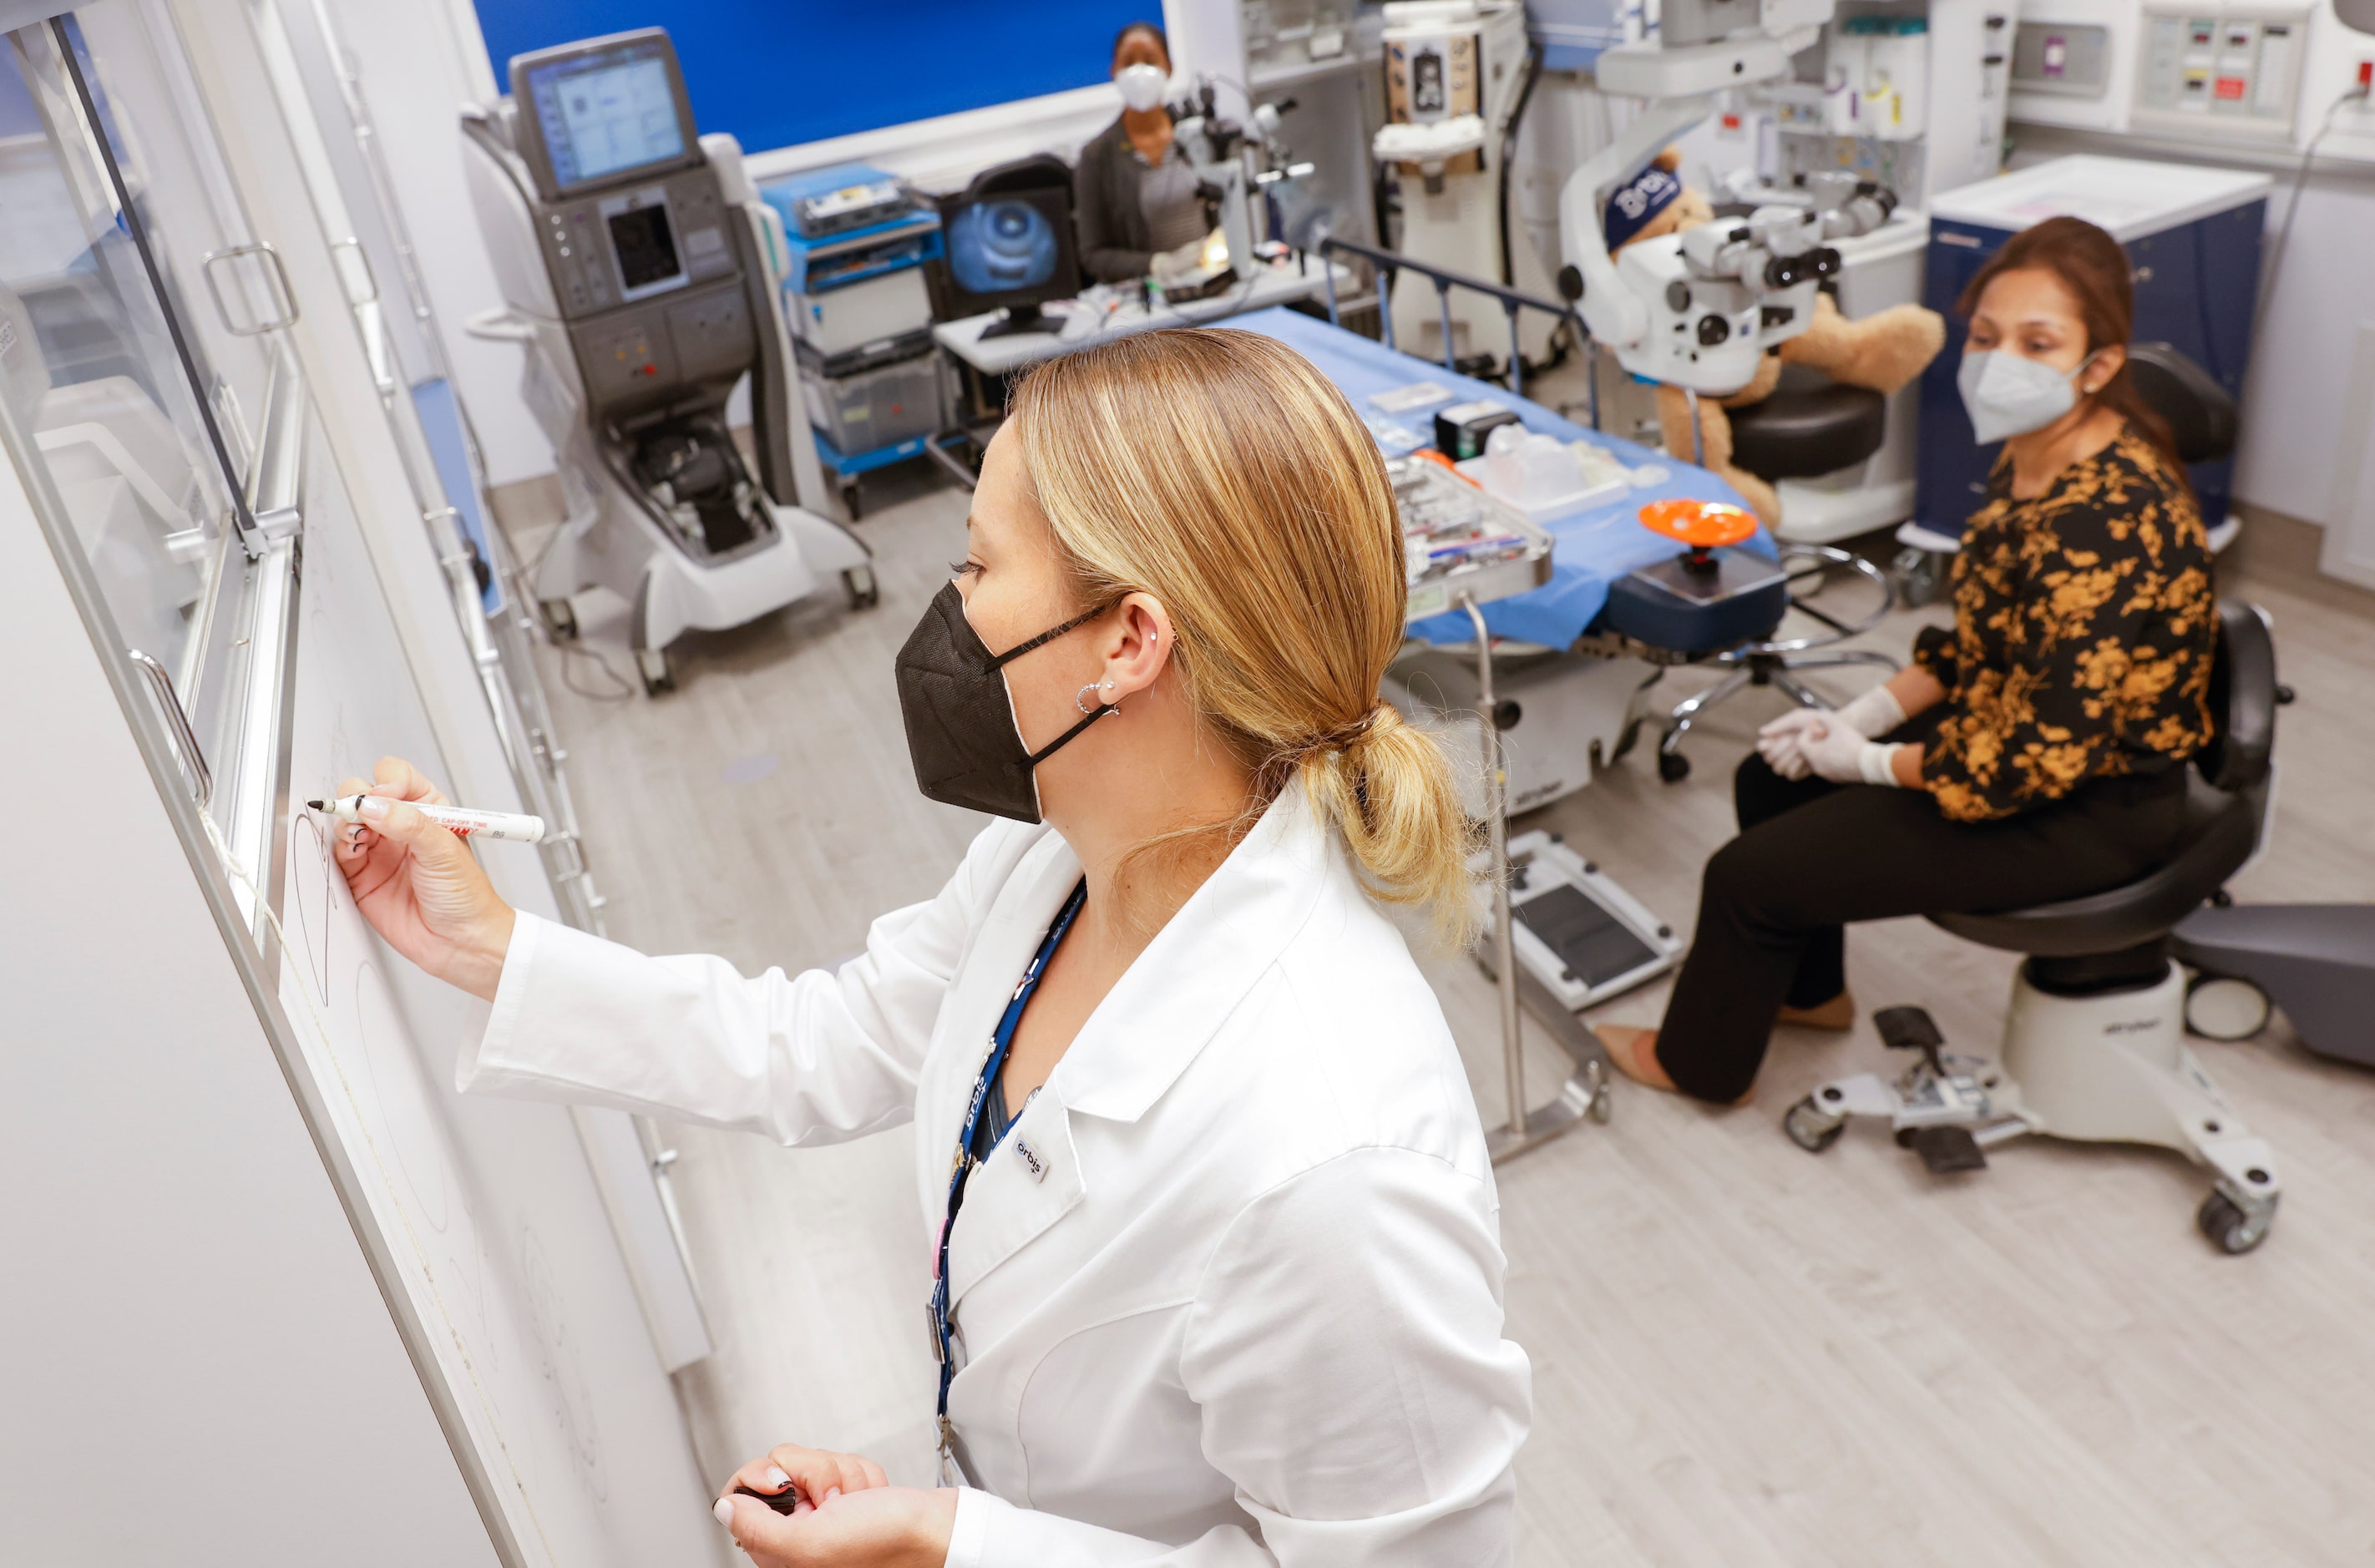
(815, 1057)
(1345, 1348)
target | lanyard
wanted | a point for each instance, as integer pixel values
(962, 1168)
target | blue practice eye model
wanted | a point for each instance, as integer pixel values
(995, 246)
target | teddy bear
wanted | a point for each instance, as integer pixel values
(1884, 352)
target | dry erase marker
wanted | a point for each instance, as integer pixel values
(458, 820)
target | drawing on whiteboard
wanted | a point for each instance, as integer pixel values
(313, 880)
(405, 1118)
(564, 1379)
(467, 1267)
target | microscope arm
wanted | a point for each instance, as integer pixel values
(1608, 309)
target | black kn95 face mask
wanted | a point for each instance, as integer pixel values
(962, 733)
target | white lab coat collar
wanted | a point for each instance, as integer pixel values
(1200, 964)
(1177, 992)
(1165, 1007)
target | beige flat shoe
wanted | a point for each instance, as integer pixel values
(1634, 1051)
(1837, 1015)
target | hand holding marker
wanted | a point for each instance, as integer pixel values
(458, 820)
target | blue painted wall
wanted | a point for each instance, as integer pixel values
(798, 70)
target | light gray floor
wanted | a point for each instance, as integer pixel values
(1742, 1354)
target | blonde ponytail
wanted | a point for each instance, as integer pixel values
(1391, 793)
(1221, 473)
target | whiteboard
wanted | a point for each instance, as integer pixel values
(488, 1207)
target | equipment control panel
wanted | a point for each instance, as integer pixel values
(2204, 71)
(603, 250)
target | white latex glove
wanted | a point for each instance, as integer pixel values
(1781, 742)
(1873, 714)
(1178, 262)
(1834, 751)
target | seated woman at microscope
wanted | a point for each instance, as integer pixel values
(1134, 195)
(2033, 753)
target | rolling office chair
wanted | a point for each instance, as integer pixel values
(1810, 425)
(2094, 1043)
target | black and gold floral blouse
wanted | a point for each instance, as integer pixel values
(2083, 631)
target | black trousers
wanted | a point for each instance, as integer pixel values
(1812, 856)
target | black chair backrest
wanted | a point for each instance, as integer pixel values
(2199, 413)
(1041, 171)
(2243, 700)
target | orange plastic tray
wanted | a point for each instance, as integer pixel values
(1702, 524)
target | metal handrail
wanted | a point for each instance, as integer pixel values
(1514, 303)
(1841, 631)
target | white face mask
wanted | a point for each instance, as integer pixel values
(2008, 396)
(1141, 86)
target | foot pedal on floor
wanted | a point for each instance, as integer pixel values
(1946, 1150)
(1583, 937)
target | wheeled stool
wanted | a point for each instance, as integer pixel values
(2093, 1045)
(1719, 603)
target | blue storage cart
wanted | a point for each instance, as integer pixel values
(860, 315)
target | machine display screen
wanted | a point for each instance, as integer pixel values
(603, 114)
(646, 247)
(1001, 245)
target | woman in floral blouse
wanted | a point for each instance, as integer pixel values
(2033, 753)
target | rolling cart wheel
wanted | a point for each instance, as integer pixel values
(652, 663)
(2219, 1007)
(1810, 1127)
(864, 591)
(1918, 575)
(559, 618)
(1673, 767)
(853, 498)
(2229, 1227)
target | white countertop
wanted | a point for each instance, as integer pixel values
(1113, 311)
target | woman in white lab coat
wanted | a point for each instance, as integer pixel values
(1197, 1163)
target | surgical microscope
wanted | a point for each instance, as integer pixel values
(634, 261)
(1697, 310)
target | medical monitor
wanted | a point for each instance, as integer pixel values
(1010, 245)
(605, 110)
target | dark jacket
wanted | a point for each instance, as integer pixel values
(2084, 629)
(1115, 244)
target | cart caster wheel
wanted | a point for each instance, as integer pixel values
(652, 663)
(559, 618)
(2218, 1007)
(853, 499)
(1624, 739)
(2231, 1227)
(1917, 576)
(1810, 1127)
(1673, 767)
(864, 591)
(1603, 1104)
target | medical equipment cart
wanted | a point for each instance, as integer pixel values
(860, 318)
(1465, 549)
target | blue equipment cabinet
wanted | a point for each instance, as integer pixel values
(2194, 236)
(860, 316)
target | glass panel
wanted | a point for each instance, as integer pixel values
(93, 379)
(353, 196)
(225, 292)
